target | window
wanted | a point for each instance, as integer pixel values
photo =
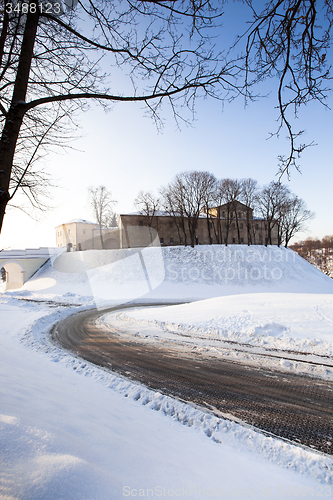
(265, 226)
(241, 225)
(225, 226)
(210, 224)
(233, 240)
(239, 215)
(223, 214)
(242, 240)
(69, 231)
(181, 241)
(141, 223)
(162, 241)
(171, 241)
(171, 224)
(257, 226)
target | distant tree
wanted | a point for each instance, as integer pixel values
(148, 205)
(170, 205)
(249, 196)
(293, 217)
(209, 181)
(311, 244)
(218, 200)
(327, 243)
(3, 274)
(102, 205)
(271, 204)
(186, 197)
(232, 191)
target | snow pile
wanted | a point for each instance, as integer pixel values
(302, 322)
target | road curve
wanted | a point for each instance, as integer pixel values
(294, 407)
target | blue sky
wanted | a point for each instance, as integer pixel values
(123, 150)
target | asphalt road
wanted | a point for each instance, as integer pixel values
(295, 407)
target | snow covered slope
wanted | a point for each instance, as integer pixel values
(176, 273)
(71, 430)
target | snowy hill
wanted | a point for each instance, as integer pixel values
(176, 273)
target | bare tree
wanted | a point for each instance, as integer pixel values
(294, 216)
(51, 65)
(233, 191)
(272, 203)
(209, 186)
(103, 208)
(148, 206)
(290, 40)
(186, 197)
(170, 205)
(249, 196)
(219, 198)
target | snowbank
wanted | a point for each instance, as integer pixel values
(286, 321)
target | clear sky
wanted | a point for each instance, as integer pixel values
(123, 151)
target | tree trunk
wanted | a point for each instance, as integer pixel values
(101, 236)
(209, 232)
(16, 111)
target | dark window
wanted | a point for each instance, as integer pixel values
(233, 240)
(223, 214)
(242, 240)
(171, 241)
(141, 223)
(181, 241)
(241, 225)
(239, 215)
(171, 224)
(257, 226)
(162, 241)
(265, 226)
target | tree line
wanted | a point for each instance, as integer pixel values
(317, 252)
(192, 195)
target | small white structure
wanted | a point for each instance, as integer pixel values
(20, 265)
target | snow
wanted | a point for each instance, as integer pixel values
(277, 320)
(72, 430)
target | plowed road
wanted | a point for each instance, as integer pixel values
(295, 407)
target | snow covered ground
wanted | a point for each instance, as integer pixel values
(71, 430)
